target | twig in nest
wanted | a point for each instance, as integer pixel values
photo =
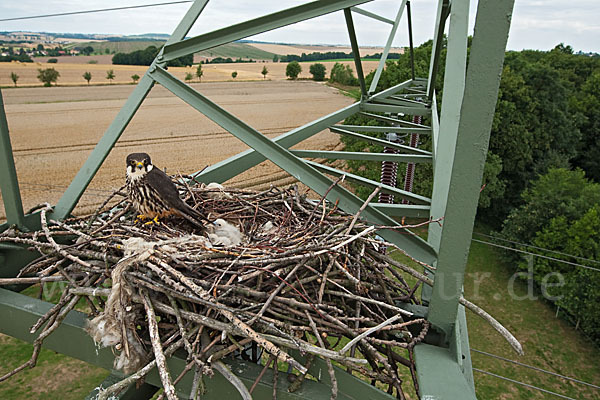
(233, 379)
(161, 362)
(362, 208)
(334, 387)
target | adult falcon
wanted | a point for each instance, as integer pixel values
(154, 194)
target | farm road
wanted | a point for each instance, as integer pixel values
(53, 131)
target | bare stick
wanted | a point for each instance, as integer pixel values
(516, 345)
(334, 387)
(368, 332)
(233, 379)
(249, 332)
(161, 362)
(262, 373)
(362, 208)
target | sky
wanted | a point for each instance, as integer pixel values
(536, 24)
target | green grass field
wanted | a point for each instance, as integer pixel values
(549, 343)
(237, 50)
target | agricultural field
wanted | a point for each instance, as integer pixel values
(236, 50)
(296, 49)
(54, 129)
(72, 74)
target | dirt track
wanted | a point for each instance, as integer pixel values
(54, 129)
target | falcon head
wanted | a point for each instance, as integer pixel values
(138, 165)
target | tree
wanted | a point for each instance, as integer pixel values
(87, 76)
(318, 71)
(264, 72)
(275, 58)
(559, 192)
(343, 74)
(107, 50)
(146, 56)
(188, 77)
(234, 74)
(87, 50)
(293, 69)
(135, 78)
(48, 75)
(199, 72)
(52, 61)
(110, 75)
(14, 78)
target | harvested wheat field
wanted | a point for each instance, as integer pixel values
(53, 130)
(298, 49)
(72, 73)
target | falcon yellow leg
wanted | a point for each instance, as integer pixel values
(154, 221)
(140, 217)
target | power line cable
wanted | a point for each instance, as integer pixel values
(538, 248)
(536, 368)
(537, 255)
(95, 11)
(523, 384)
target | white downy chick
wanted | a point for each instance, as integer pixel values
(216, 191)
(224, 233)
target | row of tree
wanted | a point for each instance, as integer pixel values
(48, 76)
(146, 56)
(330, 55)
(543, 165)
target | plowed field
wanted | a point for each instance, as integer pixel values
(53, 131)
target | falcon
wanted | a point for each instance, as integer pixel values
(154, 194)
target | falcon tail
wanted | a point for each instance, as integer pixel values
(193, 216)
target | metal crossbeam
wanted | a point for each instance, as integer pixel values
(256, 26)
(71, 339)
(384, 129)
(13, 206)
(395, 109)
(296, 167)
(442, 14)
(69, 199)
(355, 52)
(395, 121)
(357, 155)
(415, 198)
(403, 210)
(422, 129)
(372, 15)
(227, 169)
(382, 142)
(474, 125)
(386, 49)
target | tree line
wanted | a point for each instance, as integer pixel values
(331, 55)
(541, 181)
(146, 56)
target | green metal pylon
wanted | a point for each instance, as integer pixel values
(460, 136)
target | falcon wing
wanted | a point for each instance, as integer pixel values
(164, 186)
(167, 190)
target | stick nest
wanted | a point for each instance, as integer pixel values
(305, 277)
